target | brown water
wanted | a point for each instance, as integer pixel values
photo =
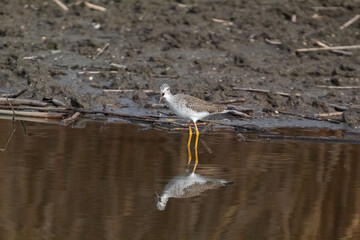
(100, 182)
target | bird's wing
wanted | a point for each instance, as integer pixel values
(200, 105)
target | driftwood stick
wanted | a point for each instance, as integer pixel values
(32, 114)
(334, 51)
(15, 95)
(338, 87)
(327, 48)
(16, 101)
(351, 21)
(266, 91)
(61, 5)
(71, 119)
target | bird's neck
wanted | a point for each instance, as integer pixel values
(169, 97)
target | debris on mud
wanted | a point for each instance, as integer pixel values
(114, 55)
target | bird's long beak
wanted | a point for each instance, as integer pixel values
(161, 98)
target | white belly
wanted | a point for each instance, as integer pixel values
(187, 113)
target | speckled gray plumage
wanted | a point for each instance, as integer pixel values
(189, 107)
(199, 105)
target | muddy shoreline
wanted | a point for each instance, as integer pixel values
(214, 50)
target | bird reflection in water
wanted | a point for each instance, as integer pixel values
(186, 186)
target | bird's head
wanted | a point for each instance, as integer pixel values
(164, 91)
(161, 202)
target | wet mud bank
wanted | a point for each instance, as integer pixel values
(220, 51)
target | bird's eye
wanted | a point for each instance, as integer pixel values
(162, 94)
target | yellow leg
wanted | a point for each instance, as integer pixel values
(189, 151)
(197, 136)
(196, 145)
(190, 135)
(196, 160)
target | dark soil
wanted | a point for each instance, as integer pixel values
(205, 48)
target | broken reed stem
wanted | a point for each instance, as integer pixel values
(351, 21)
(327, 48)
(266, 91)
(102, 50)
(61, 5)
(71, 119)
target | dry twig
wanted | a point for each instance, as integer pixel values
(237, 100)
(16, 101)
(333, 114)
(335, 51)
(163, 76)
(102, 50)
(93, 6)
(266, 91)
(351, 21)
(273, 42)
(32, 114)
(338, 87)
(327, 48)
(15, 95)
(224, 22)
(61, 5)
(127, 90)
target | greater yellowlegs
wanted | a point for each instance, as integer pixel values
(188, 185)
(192, 108)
